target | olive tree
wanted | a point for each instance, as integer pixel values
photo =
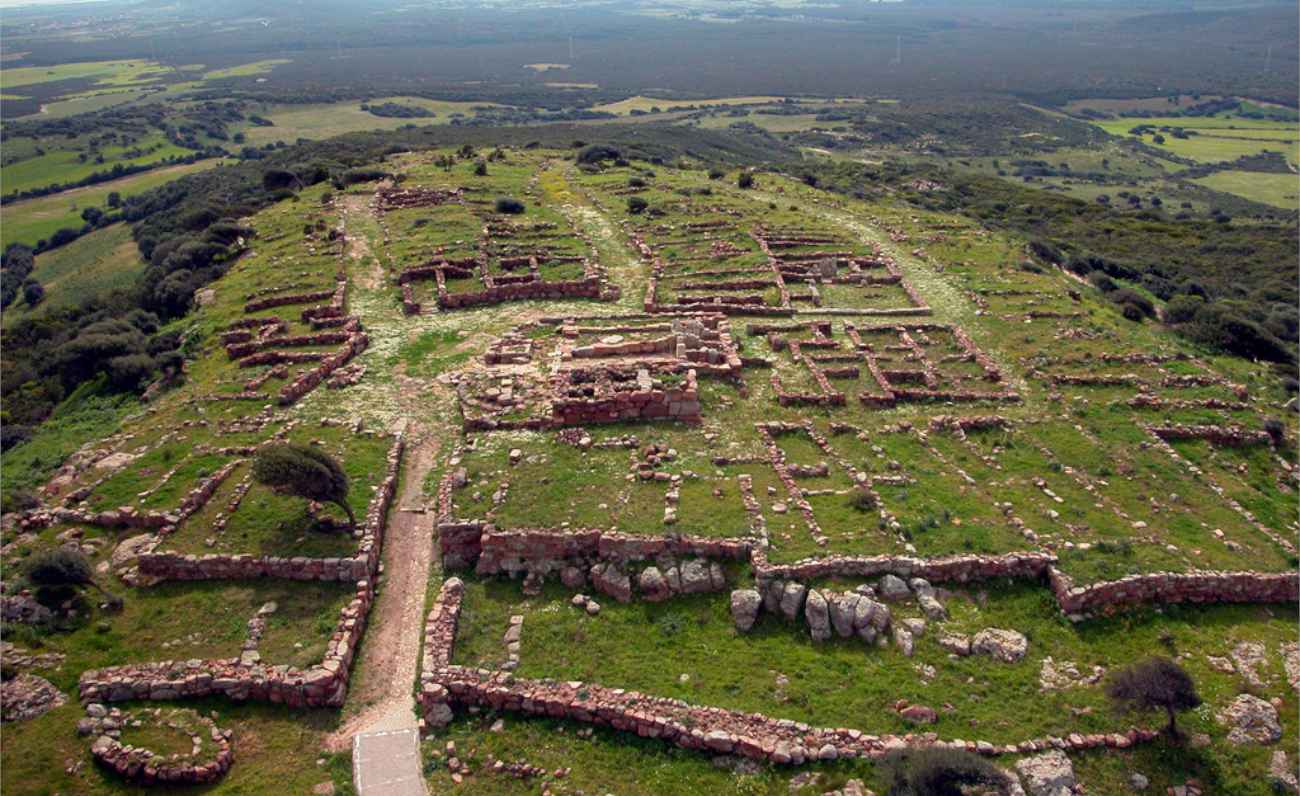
(1154, 684)
(304, 472)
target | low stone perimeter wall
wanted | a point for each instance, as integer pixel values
(323, 685)
(508, 551)
(364, 564)
(1175, 587)
(947, 569)
(714, 730)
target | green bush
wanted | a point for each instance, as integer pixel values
(1183, 308)
(59, 567)
(745, 180)
(936, 772)
(635, 204)
(509, 206)
(304, 472)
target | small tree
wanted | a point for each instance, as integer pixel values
(63, 568)
(508, 205)
(480, 168)
(1154, 684)
(33, 292)
(304, 472)
(745, 180)
(937, 772)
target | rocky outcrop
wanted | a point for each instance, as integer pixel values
(1008, 646)
(1251, 720)
(1049, 774)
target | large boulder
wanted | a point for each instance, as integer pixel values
(892, 588)
(652, 585)
(792, 598)
(1251, 720)
(772, 591)
(129, 550)
(607, 578)
(695, 577)
(1007, 646)
(1048, 774)
(744, 608)
(870, 619)
(817, 612)
(841, 610)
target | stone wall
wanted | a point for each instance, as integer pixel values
(711, 730)
(281, 301)
(309, 380)
(323, 685)
(577, 288)
(1175, 587)
(1030, 565)
(360, 566)
(496, 551)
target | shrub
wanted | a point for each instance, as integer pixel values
(1154, 684)
(936, 772)
(480, 168)
(862, 500)
(128, 372)
(745, 180)
(716, 174)
(635, 204)
(18, 500)
(1221, 327)
(1132, 312)
(509, 205)
(33, 292)
(1183, 308)
(59, 571)
(635, 182)
(596, 153)
(1102, 282)
(1276, 430)
(1132, 298)
(303, 472)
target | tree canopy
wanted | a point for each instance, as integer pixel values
(304, 472)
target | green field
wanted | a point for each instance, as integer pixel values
(1280, 190)
(64, 166)
(104, 259)
(246, 70)
(1216, 139)
(327, 120)
(35, 219)
(640, 103)
(105, 73)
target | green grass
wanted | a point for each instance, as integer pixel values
(1279, 190)
(104, 73)
(319, 121)
(841, 683)
(1216, 139)
(640, 103)
(85, 416)
(63, 166)
(246, 70)
(92, 264)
